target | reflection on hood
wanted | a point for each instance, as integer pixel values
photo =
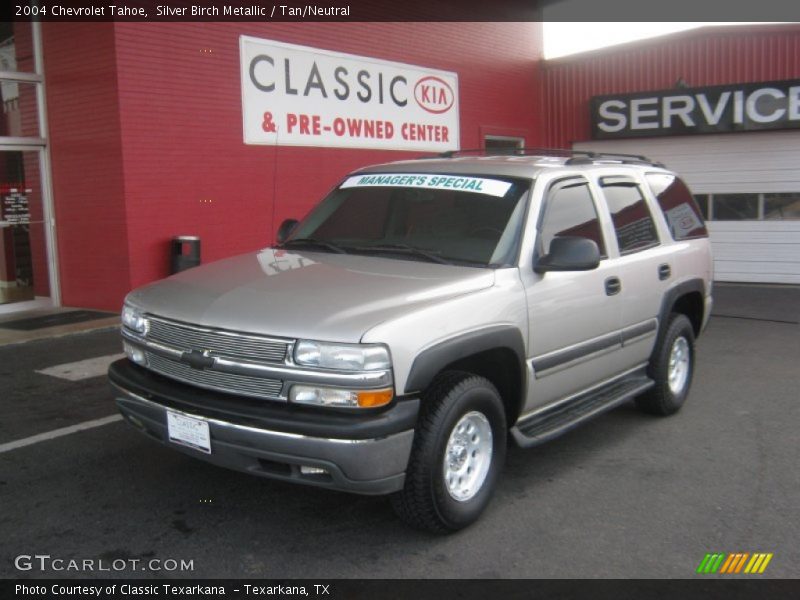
(316, 295)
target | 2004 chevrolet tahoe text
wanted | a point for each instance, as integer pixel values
(423, 313)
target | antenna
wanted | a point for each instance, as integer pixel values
(274, 181)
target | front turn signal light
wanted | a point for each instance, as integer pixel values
(374, 398)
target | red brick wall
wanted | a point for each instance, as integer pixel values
(187, 170)
(146, 130)
(703, 57)
(86, 151)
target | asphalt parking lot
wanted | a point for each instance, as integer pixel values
(628, 495)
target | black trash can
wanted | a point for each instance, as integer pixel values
(184, 253)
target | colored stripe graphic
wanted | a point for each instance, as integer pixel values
(734, 563)
(754, 563)
(727, 564)
(740, 564)
(730, 564)
(711, 563)
(703, 563)
(763, 566)
(734, 558)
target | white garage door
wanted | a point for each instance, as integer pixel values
(748, 185)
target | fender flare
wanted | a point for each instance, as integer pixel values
(432, 360)
(668, 301)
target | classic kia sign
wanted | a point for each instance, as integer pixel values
(301, 96)
(718, 109)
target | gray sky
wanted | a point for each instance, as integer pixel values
(561, 39)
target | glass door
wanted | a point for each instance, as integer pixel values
(24, 268)
(28, 272)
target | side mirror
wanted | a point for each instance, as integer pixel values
(569, 253)
(286, 229)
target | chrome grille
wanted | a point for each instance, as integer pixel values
(226, 382)
(219, 343)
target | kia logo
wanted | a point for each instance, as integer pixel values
(434, 95)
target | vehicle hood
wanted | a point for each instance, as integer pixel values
(303, 294)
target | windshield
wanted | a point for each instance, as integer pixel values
(431, 217)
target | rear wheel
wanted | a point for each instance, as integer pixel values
(459, 449)
(671, 367)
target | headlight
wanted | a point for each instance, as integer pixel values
(346, 357)
(133, 319)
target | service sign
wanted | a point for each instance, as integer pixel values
(301, 96)
(719, 109)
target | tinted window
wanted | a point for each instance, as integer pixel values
(393, 220)
(364, 213)
(680, 209)
(570, 211)
(633, 223)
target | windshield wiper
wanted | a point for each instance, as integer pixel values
(404, 249)
(313, 242)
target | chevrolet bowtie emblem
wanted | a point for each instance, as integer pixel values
(198, 360)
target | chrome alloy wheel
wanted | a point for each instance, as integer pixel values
(468, 456)
(678, 369)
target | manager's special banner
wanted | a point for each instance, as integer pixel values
(300, 96)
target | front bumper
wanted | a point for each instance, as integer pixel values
(365, 454)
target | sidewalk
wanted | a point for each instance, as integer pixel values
(16, 336)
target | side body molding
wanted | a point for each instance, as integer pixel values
(432, 360)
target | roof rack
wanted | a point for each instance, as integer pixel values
(574, 157)
(582, 157)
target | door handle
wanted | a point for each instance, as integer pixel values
(613, 286)
(664, 271)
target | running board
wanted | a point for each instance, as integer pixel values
(557, 420)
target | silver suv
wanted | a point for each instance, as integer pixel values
(422, 314)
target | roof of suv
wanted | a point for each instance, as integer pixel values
(516, 165)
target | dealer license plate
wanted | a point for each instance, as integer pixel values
(189, 431)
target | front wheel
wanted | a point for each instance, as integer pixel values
(459, 449)
(671, 367)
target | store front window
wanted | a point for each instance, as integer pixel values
(23, 252)
(26, 226)
(19, 116)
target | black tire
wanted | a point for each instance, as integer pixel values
(425, 502)
(663, 399)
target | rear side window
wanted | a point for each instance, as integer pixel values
(683, 216)
(633, 222)
(570, 211)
